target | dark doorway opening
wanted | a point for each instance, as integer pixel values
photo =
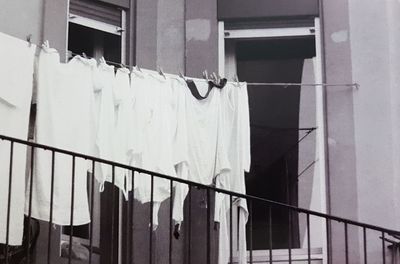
(274, 120)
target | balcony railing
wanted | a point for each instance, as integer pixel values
(337, 231)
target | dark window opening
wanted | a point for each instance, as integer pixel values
(274, 149)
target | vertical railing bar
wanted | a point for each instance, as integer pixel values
(290, 236)
(270, 232)
(208, 227)
(383, 248)
(308, 239)
(151, 219)
(346, 243)
(72, 210)
(127, 219)
(190, 224)
(112, 213)
(91, 213)
(131, 248)
(365, 244)
(170, 220)
(51, 207)
(288, 194)
(328, 240)
(28, 253)
(9, 199)
(251, 230)
(231, 227)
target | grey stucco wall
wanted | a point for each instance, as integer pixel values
(340, 125)
(20, 18)
(375, 38)
(361, 45)
(201, 37)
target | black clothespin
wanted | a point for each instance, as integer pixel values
(160, 71)
(29, 39)
(176, 231)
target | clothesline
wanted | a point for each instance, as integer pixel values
(286, 85)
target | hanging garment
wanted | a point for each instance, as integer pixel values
(16, 76)
(160, 143)
(154, 135)
(65, 119)
(104, 81)
(123, 112)
(207, 154)
(236, 126)
(206, 150)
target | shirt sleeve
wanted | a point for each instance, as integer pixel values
(245, 126)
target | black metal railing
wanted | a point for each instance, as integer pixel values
(350, 230)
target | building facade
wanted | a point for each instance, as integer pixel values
(355, 147)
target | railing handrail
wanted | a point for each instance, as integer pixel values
(199, 185)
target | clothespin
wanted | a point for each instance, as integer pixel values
(160, 71)
(46, 44)
(29, 39)
(236, 79)
(214, 76)
(205, 75)
(219, 76)
(102, 60)
(181, 75)
(84, 55)
(138, 68)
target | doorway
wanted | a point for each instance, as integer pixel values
(274, 121)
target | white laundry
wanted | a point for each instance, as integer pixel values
(16, 76)
(104, 81)
(236, 128)
(207, 156)
(65, 119)
(150, 105)
(206, 150)
(159, 138)
(123, 111)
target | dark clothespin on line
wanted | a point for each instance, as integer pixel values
(29, 39)
(161, 72)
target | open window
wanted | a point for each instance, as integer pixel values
(97, 30)
(285, 166)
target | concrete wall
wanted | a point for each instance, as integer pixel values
(340, 125)
(21, 18)
(361, 45)
(201, 37)
(375, 66)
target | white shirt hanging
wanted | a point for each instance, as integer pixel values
(65, 119)
(16, 75)
(236, 126)
(104, 82)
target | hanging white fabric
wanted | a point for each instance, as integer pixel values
(16, 76)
